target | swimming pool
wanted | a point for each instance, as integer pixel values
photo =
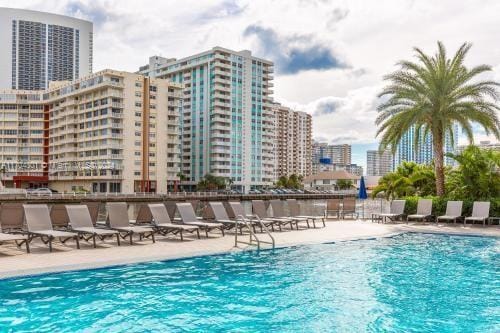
(411, 282)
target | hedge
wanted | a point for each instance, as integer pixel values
(439, 205)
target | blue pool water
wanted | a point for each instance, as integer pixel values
(408, 283)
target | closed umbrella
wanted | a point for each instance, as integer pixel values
(362, 195)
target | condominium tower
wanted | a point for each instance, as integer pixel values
(227, 121)
(337, 154)
(378, 163)
(423, 152)
(40, 47)
(293, 142)
(110, 131)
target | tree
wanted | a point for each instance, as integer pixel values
(432, 95)
(344, 184)
(282, 182)
(182, 178)
(293, 181)
(477, 176)
(409, 178)
(211, 183)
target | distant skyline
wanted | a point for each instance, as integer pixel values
(330, 56)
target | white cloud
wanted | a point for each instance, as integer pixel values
(369, 36)
(348, 119)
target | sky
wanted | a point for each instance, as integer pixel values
(330, 56)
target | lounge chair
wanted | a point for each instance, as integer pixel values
(118, 220)
(12, 217)
(19, 239)
(93, 208)
(59, 217)
(39, 225)
(480, 212)
(220, 216)
(453, 212)
(333, 207)
(80, 222)
(278, 208)
(349, 207)
(259, 208)
(397, 211)
(188, 217)
(424, 211)
(294, 207)
(161, 222)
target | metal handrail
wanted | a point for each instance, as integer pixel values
(252, 233)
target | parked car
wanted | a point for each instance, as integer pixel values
(42, 191)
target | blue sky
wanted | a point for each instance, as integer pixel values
(330, 56)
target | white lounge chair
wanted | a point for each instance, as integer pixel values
(39, 225)
(18, 238)
(278, 209)
(424, 211)
(118, 220)
(162, 223)
(188, 217)
(396, 211)
(480, 212)
(294, 208)
(259, 208)
(453, 212)
(80, 221)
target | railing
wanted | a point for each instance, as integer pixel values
(252, 233)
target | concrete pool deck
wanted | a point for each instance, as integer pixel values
(16, 262)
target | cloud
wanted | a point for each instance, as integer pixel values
(227, 8)
(293, 53)
(328, 106)
(348, 119)
(336, 15)
(96, 12)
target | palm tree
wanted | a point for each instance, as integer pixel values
(409, 178)
(432, 95)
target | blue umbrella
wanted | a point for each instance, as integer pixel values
(362, 189)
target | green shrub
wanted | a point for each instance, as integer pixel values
(439, 205)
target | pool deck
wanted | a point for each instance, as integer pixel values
(15, 262)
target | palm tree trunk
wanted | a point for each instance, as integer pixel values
(437, 142)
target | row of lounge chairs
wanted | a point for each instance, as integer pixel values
(30, 221)
(480, 212)
(340, 208)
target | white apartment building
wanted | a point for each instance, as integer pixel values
(227, 121)
(41, 47)
(482, 145)
(325, 156)
(110, 131)
(378, 163)
(293, 142)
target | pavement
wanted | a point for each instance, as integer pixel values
(16, 262)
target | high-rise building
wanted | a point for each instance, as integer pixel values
(110, 131)
(482, 145)
(339, 154)
(378, 163)
(42, 47)
(227, 121)
(293, 142)
(423, 153)
(324, 153)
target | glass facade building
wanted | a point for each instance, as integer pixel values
(423, 152)
(227, 120)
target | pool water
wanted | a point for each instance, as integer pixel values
(408, 283)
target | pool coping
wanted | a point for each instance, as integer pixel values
(27, 273)
(404, 229)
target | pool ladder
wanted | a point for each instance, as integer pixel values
(250, 221)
